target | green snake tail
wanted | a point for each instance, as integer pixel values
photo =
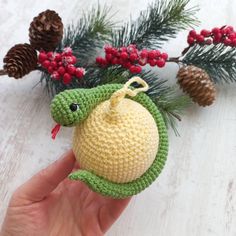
(124, 190)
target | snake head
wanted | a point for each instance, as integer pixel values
(71, 107)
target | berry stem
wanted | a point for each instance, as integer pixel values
(174, 59)
(185, 50)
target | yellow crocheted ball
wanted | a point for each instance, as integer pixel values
(119, 147)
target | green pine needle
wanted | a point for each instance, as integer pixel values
(172, 107)
(218, 61)
(92, 30)
(161, 21)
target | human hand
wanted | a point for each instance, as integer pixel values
(51, 204)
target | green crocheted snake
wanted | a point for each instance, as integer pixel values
(71, 107)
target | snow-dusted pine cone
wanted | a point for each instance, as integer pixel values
(46, 31)
(197, 84)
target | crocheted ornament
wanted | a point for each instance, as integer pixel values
(120, 138)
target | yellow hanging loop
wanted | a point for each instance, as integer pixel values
(120, 94)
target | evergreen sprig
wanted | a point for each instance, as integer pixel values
(218, 61)
(172, 107)
(92, 30)
(161, 21)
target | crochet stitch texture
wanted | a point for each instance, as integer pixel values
(122, 175)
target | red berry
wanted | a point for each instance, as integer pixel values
(104, 62)
(218, 36)
(132, 69)
(216, 30)
(133, 57)
(54, 64)
(55, 75)
(232, 36)
(67, 51)
(158, 53)
(50, 70)
(117, 54)
(144, 53)
(164, 56)
(69, 60)
(108, 48)
(142, 61)
(208, 41)
(160, 63)
(109, 56)
(73, 60)
(57, 57)
(50, 55)
(60, 63)
(124, 55)
(223, 31)
(233, 44)
(71, 69)
(127, 65)
(227, 42)
(191, 40)
(135, 69)
(42, 57)
(114, 51)
(132, 48)
(229, 29)
(119, 61)
(205, 33)
(79, 72)
(61, 70)
(200, 38)
(114, 61)
(99, 60)
(46, 64)
(67, 78)
(152, 62)
(152, 54)
(192, 34)
(123, 49)
(138, 69)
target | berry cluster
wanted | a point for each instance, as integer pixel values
(131, 58)
(61, 66)
(225, 35)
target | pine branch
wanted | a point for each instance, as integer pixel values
(218, 61)
(161, 21)
(170, 104)
(92, 30)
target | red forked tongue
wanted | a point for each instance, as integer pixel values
(55, 130)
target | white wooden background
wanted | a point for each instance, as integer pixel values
(195, 194)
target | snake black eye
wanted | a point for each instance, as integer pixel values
(74, 107)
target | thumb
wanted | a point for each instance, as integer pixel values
(44, 182)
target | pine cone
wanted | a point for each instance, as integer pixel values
(46, 31)
(197, 84)
(20, 60)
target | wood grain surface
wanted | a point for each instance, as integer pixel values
(196, 193)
